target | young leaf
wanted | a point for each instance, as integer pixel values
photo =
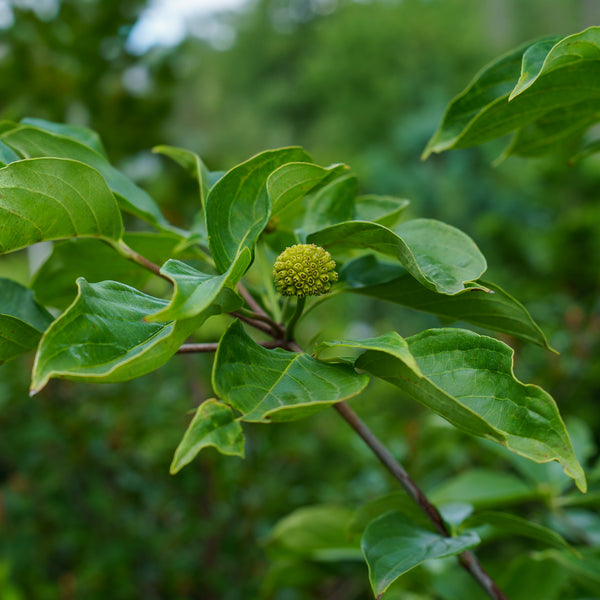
(330, 204)
(22, 320)
(212, 425)
(238, 206)
(102, 336)
(385, 210)
(440, 257)
(393, 544)
(31, 142)
(277, 385)
(291, 182)
(468, 380)
(51, 198)
(496, 311)
(195, 291)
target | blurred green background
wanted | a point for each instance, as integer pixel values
(87, 507)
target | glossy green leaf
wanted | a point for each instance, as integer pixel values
(392, 545)
(330, 205)
(314, 533)
(438, 256)
(528, 87)
(7, 155)
(468, 380)
(32, 142)
(238, 206)
(84, 135)
(213, 425)
(49, 198)
(102, 336)
(54, 282)
(496, 311)
(291, 182)
(505, 524)
(385, 210)
(277, 385)
(544, 57)
(390, 343)
(22, 320)
(194, 291)
(193, 164)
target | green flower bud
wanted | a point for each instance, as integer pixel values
(304, 270)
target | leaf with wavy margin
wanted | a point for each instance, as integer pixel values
(213, 425)
(468, 379)
(277, 385)
(102, 336)
(437, 255)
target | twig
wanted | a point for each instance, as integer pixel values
(213, 346)
(131, 254)
(256, 324)
(467, 559)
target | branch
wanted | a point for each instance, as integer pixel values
(467, 559)
(127, 252)
(213, 346)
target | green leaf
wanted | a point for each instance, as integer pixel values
(468, 380)
(392, 545)
(483, 488)
(49, 198)
(534, 575)
(314, 533)
(102, 336)
(238, 206)
(194, 291)
(505, 524)
(291, 182)
(391, 343)
(22, 320)
(213, 425)
(545, 56)
(277, 385)
(193, 164)
(31, 142)
(84, 135)
(385, 210)
(7, 155)
(438, 256)
(496, 311)
(54, 282)
(329, 205)
(546, 78)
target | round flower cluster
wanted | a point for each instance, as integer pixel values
(304, 270)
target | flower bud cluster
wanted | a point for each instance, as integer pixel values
(304, 270)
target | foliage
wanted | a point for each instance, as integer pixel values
(110, 445)
(113, 332)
